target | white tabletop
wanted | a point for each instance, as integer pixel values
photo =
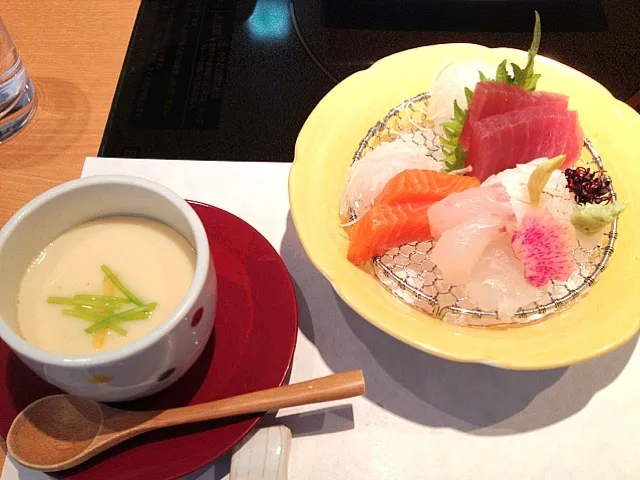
(422, 417)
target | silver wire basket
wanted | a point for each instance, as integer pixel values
(409, 274)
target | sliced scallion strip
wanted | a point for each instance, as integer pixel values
(104, 311)
(89, 303)
(120, 286)
(102, 298)
(127, 315)
(90, 317)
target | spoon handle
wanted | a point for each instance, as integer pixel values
(334, 387)
(3, 453)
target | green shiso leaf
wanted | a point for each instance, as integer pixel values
(523, 77)
(454, 154)
(502, 75)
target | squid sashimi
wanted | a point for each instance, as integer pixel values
(369, 175)
(423, 186)
(386, 226)
(469, 205)
(461, 247)
(497, 282)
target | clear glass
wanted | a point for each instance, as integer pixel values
(17, 95)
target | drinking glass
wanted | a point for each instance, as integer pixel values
(17, 95)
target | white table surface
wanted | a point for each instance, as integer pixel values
(422, 417)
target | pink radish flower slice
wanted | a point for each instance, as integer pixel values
(545, 246)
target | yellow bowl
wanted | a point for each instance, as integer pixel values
(605, 319)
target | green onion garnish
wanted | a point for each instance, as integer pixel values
(87, 314)
(91, 318)
(140, 316)
(104, 298)
(82, 302)
(102, 312)
(101, 309)
(120, 286)
(127, 315)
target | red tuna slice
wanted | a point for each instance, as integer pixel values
(550, 131)
(574, 148)
(493, 98)
(502, 141)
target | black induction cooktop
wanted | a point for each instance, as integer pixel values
(236, 79)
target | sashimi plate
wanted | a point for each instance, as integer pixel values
(596, 322)
(409, 271)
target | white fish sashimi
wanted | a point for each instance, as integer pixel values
(469, 205)
(497, 282)
(461, 247)
(369, 175)
(449, 86)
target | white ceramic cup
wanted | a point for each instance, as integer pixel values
(146, 365)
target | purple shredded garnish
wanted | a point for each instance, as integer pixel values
(588, 186)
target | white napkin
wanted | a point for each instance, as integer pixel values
(422, 417)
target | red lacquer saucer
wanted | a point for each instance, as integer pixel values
(251, 349)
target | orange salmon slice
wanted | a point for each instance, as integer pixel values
(423, 186)
(387, 226)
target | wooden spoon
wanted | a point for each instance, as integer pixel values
(62, 431)
(3, 453)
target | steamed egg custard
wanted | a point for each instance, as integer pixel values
(104, 284)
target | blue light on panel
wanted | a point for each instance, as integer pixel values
(269, 20)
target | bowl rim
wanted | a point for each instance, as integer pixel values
(299, 169)
(203, 263)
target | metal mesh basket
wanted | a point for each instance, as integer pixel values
(408, 272)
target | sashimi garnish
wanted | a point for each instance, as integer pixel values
(543, 243)
(454, 155)
(591, 219)
(556, 198)
(588, 186)
(541, 176)
(595, 206)
(523, 77)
